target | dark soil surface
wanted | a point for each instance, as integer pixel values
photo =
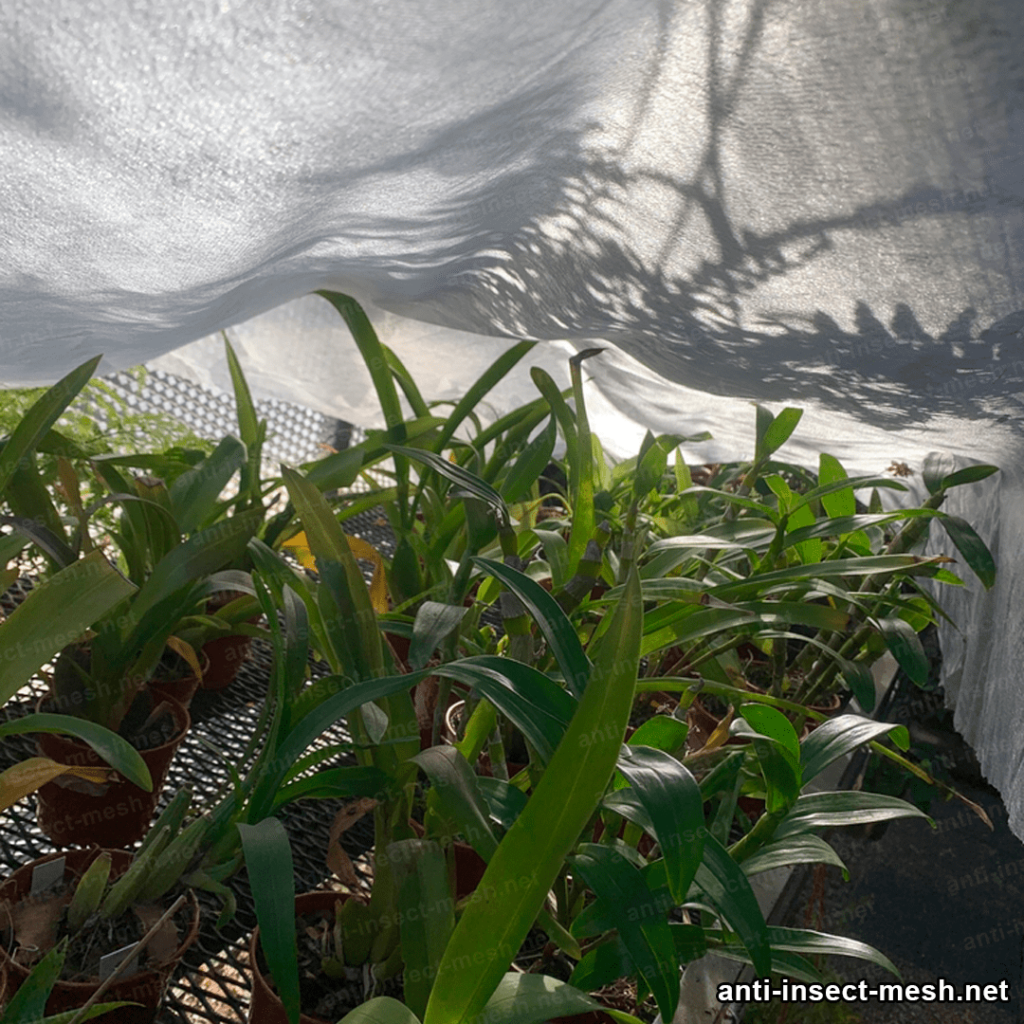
(142, 729)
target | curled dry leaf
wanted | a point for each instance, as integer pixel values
(186, 651)
(165, 942)
(337, 859)
(34, 922)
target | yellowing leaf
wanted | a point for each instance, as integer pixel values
(721, 733)
(187, 652)
(299, 546)
(27, 776)
(300, 549)
(378, 584)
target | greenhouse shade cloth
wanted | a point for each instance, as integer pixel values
(797, 202)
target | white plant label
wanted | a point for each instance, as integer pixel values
(46, 876)
(111, 960)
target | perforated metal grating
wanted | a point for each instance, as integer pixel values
(294, 434)
(212, 986)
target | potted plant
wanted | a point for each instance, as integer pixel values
(27, 1006)
(543, 833)
(84, 590)
(100, 675)
(118, 931)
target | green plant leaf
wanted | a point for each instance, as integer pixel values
(968, 475)
(722, 880)
(332, 784)
(663, 732)
(529, 465)
(204, 553)
(426, 913)
(505, 802)
(467, 482)
(773, 723)
(456, 790)
(855, 483)
(702, 623)
(195, 494)
(972, 547)
(248, 420)
(406, 382)
(479, 388)
(841, 735)
(602, 965)
(828, 810)
(841, 525)
(381, 1010)
(621, 888)
(861, 682)
(55, 614)
(779, 764)
(320, 718)
(778, 432)
(938, 466)
(536, 705)
(838, 503)
(355, 620)
(117, 752)
(552, 621)
(32, 528)
(549, 826)
(28, 1004)
(340, 470)
(905, 646)
(434, 621)
(556, 554)
(794, 849)
(268, 860)
(534, 998)
(40, 417)
(867, 566)
(812, 943)
(671, 797)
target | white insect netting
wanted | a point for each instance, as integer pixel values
(796, 202)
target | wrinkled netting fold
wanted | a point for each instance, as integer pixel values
(796, 202)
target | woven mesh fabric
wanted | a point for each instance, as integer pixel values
(798, 202)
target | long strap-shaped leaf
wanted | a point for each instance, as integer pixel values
(528, 860)
(41, 416)
(556, 627)
(56, 614)
(117, 752)
(518, 999)
(268, 859)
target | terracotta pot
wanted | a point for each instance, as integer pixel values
(146, 987)
(72, 811)
(226, 653)
(266, 1007)
(183, 688)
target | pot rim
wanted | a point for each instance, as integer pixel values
(259, 978)
(181, 714)
(11, 965)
